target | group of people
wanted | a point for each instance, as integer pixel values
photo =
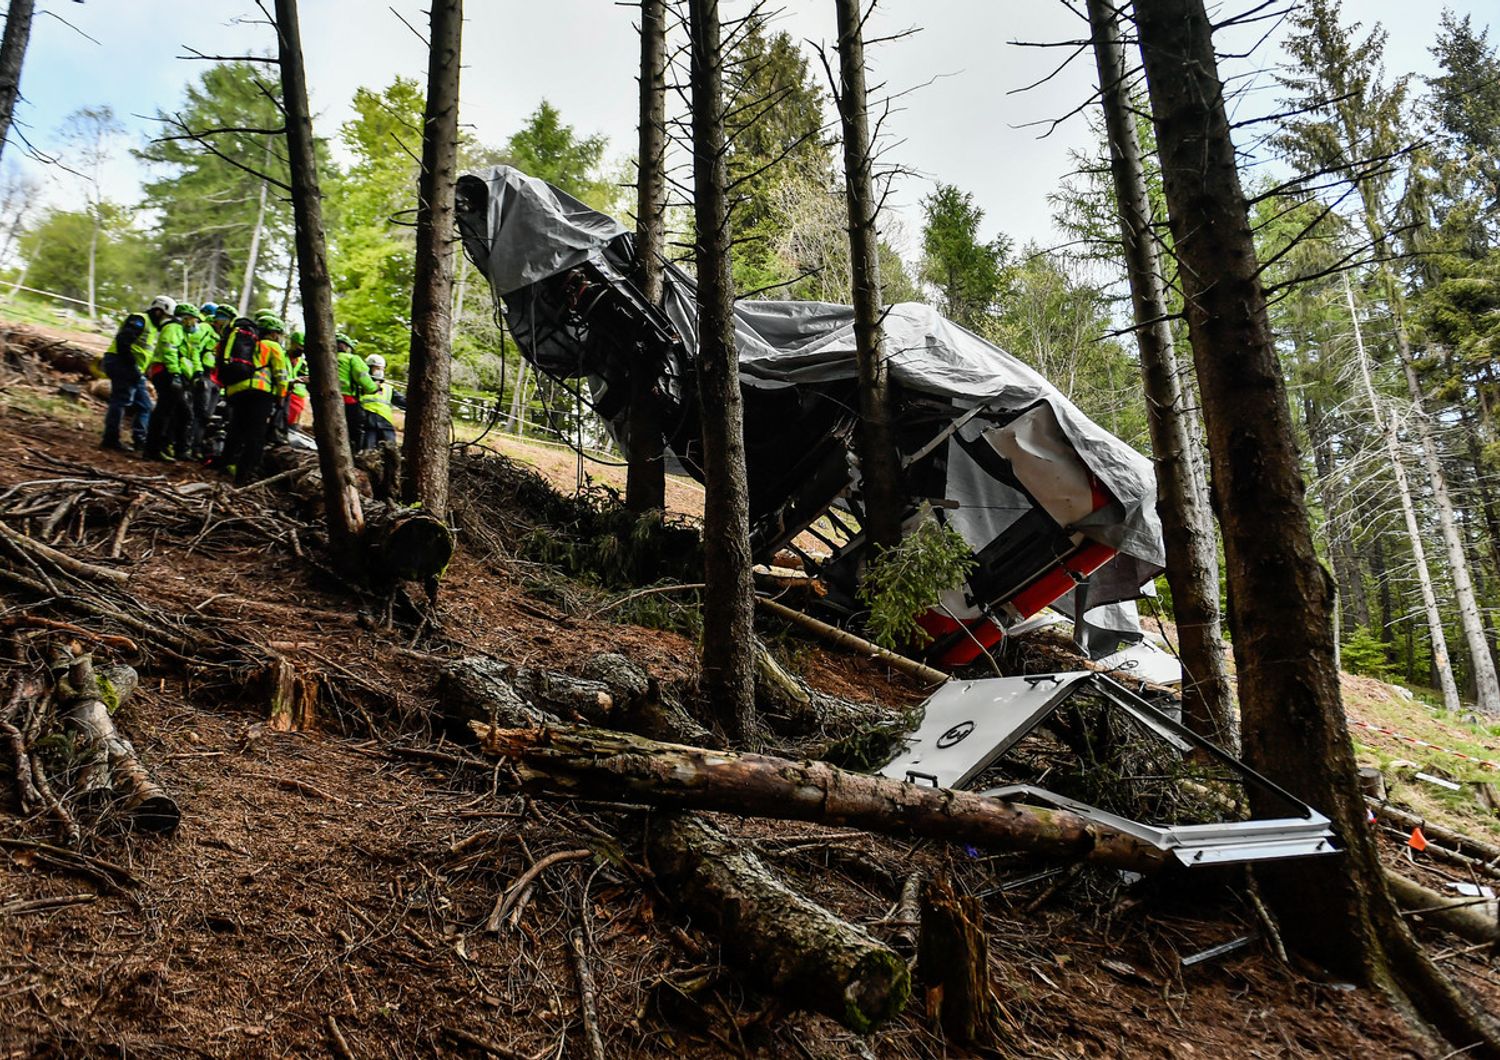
(225, 384)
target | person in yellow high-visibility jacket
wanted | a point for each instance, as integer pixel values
(379, 406)
(259, 381)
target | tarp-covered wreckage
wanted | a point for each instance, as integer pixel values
(1047, 498)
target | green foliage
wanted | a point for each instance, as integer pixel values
(1363, 653)
(776, 141)
(56, 248)
(205, 205)
(1052, 319)
(1466, 125)
(965, 271)
(547, 148)
(372, 255)
(903, 582)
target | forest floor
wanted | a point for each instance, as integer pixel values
(327, 890)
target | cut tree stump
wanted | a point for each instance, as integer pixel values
(578, 762)
(791, 945)
(292, 698)
(953, 962)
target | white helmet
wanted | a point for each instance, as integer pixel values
(375, 362)
(166, 303)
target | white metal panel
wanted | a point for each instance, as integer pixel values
(968, 724)
(1145, 659)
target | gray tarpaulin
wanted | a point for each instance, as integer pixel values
(536, 231)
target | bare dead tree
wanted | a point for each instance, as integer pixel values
(1280, 597)
(346, 520)
(645, 478)
(1388, 427)
(12, 56)
(728, 659)
(1181, 494)
(879, 463)
(428, 417)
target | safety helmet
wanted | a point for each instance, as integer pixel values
(375, 361)
(268, 322)
(209, 309)
(346, 340)
(298, 338)
(187, 309)
(223, 312)
(164, 302)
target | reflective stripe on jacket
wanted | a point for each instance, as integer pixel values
(298, 370)
(270, 371)
(142, 348)
(380, 402)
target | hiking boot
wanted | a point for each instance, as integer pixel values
(115, 445)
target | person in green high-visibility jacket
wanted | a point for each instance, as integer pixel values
(354, 384)
(296, 398)
(170, 369)
(379, 405)
(125, 364)
(205, 395)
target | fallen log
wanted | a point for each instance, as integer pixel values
(577, 762)
(792, 945)
(1463, 917)
(107, 762)
(844, 639)
(1463, 844)
(405, 544)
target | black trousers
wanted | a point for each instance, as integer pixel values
(377, 429)
(169, 423)
(205, 396)
(354, 416)
(249, 422)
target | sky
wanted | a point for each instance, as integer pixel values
(961, 120)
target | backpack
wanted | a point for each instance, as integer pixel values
(131, 330)
(237, 352)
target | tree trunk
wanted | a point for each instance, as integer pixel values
(645, 478)
(93, 260)
(1462, 916)
(1382, 588)
(1442, 667)
(728, 657)
(12, 56)
(602, 764)
(879, 463)
(1280, 600)
(792, 946)
(1182, 495)
(428, 416)
(517, 399)
(341, 495)
(252, 256)
(286, 288)
(1486, 681)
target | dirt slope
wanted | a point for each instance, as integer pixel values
(336, 883)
